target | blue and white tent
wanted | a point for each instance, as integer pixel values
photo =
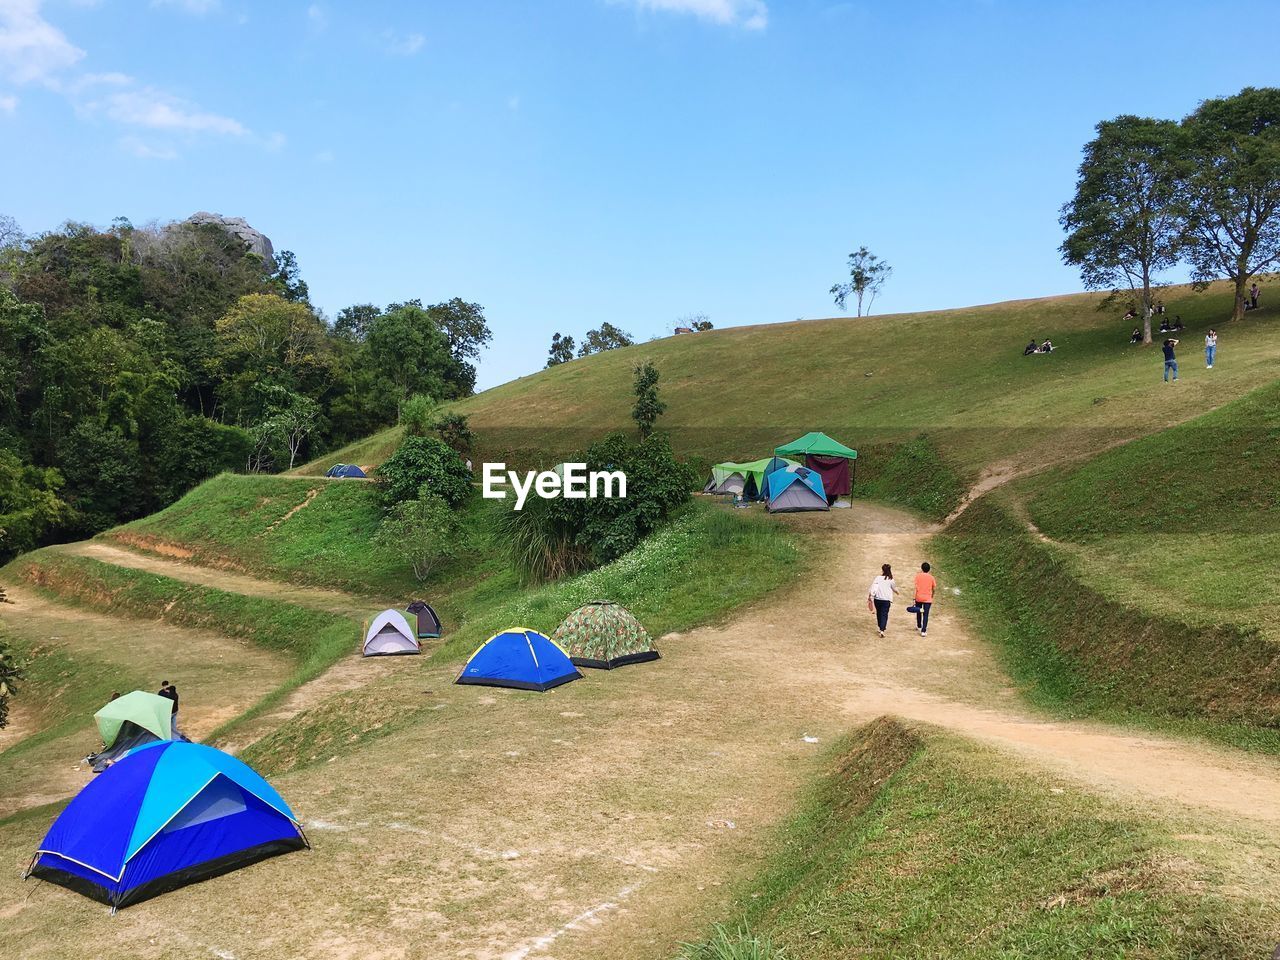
(168, 814)
(794, 489)
(520, 658)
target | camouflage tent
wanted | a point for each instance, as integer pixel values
(605, 635)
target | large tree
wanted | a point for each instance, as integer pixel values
(605, 337)
(561, 350)
(411, 354)
(1123, 225)
(867, 276)
(1231, 189)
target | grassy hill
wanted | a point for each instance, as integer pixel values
(906, 835)
(957, 374)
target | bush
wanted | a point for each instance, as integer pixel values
(553, 538)
(424, 462)
(418, 415)
(456, 432)
(424, 531)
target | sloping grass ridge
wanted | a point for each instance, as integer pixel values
(1073, 649)
(922, 845)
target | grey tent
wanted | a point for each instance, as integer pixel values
(795, 489)
(389, 635)
(428, 622)
(726, 478)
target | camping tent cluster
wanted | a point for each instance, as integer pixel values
(783, 483)
(601, 634)
(166, 814)
(390, 634)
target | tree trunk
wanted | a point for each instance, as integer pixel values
(1146, 306)
(1237, 312)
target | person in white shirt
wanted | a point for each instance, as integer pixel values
(880, 596)
(1210, 347)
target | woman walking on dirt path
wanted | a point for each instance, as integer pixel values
(880, 596)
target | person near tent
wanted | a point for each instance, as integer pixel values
(170, 692)
(1210, 347)
(880, 596)
(1170, 359)
(925, 587)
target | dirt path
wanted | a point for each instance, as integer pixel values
(219, 678)
(331, 601)
(610, 816)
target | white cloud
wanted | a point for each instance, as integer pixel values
(404, 46)
(197, 7)
(317, 19)
(31, 48)
(156, 110)
(8, 103)
(747, 14)
(147, 151)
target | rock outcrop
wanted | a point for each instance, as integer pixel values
(256, 241)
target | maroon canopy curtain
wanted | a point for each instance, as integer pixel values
(834, 472)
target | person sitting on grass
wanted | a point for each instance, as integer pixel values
(1164, 326)
(1178, 326)
(1136, 336)
(1046, 347)
(1132, 314)
(1030, 349)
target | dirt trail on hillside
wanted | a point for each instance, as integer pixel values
(318, 598)
(218, 678)
(611, 816)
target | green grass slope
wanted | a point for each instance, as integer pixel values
(958, 374)
(1185, 523)
(921, 845)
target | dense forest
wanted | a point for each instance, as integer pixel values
(137, 361)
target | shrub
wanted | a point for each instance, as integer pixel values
(543, 542)
(455, 430)
(553, 538)
(418, 415)
(424, 531)
(424, 461)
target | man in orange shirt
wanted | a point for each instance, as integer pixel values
(925, 585)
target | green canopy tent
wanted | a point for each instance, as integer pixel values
(830, 458)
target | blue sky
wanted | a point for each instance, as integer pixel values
(565, 162)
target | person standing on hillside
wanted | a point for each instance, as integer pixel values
(925, 587)
(170, 692)
(1170, 360)
(880, 596)
(1210, 347)
(1253, 297)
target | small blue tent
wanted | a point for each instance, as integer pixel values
(344, 470)
(168, 814)
(521, 658)
(795, 489)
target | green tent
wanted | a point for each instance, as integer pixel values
(818, 444)
(604, 635)
(722, 475)
(149, 711)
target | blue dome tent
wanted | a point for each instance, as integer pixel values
(345, 470)
(795, 489)
(520, 658)
(168, 814)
